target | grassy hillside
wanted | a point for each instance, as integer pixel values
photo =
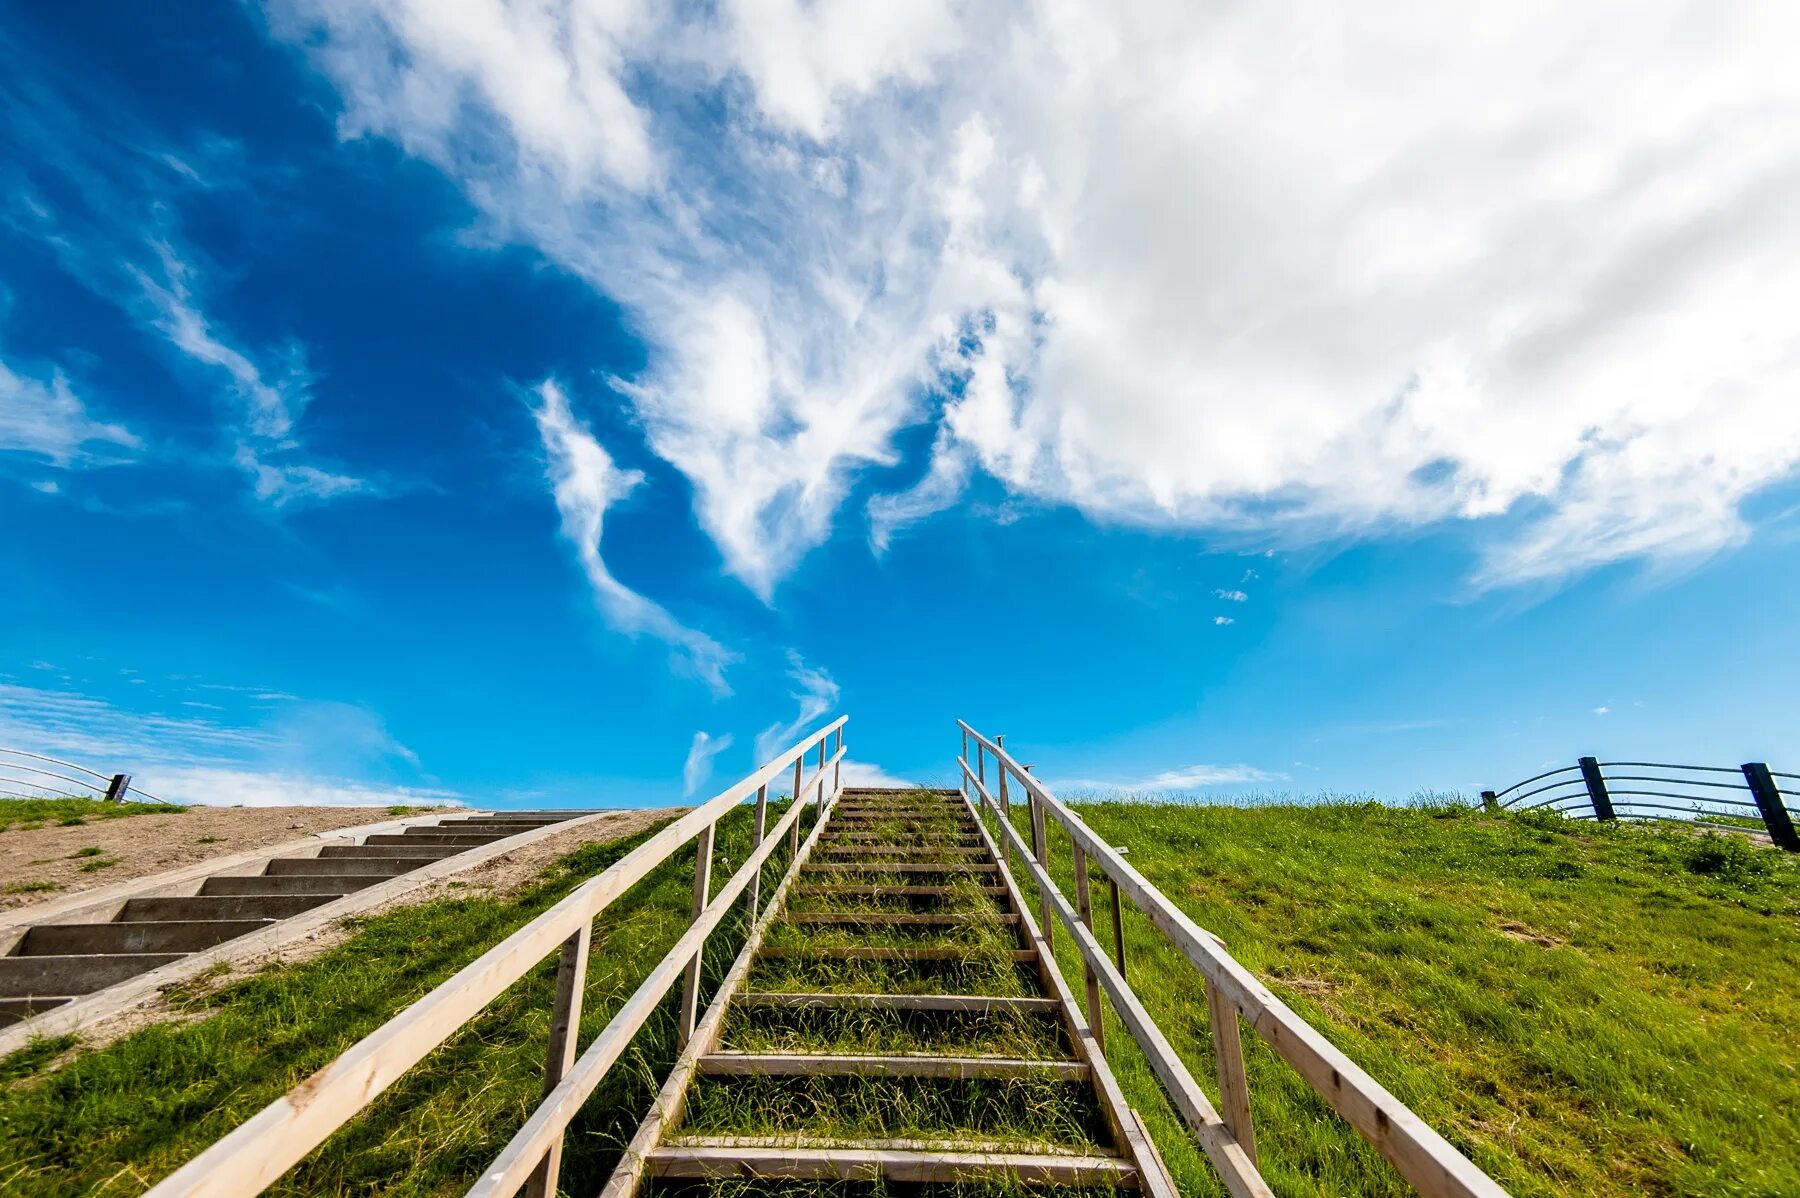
(26, 814)
(1583, 1009)
(113, 1121)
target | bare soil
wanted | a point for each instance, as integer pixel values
(47, 861)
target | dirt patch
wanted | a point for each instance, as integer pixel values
(1300, 983)
(497, 877)
(47, 863)
(1514, 930)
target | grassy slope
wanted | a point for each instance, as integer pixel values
(34, 813)
(113, 1121)
(1582, 1009)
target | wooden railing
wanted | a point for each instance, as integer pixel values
(260, 1150)
(1418, 1153)
(1704, 796)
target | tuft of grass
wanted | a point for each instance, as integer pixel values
(27, 814)
(28, 887)
(1582, 1008)
(208, 840)
(93, 850)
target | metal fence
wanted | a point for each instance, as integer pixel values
(25, 775)
(1738, 799)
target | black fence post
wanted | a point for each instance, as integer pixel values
(1596, 787)
(1768, 801)
(1489, 802)
(115, 790)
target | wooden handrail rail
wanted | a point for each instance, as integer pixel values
(1411, 1145)
(259, 1150)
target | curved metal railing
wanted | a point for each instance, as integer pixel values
(1745, 798)
(52, 777)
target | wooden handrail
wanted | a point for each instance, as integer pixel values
(252, 1156)
(1411, 1145)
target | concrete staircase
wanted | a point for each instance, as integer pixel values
(55, 963)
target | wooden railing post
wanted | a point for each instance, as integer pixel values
(1769, 802)
(565, 1027)
(1040, 848)
(1084, 907)
(115, 790)
(962, 782)
(794, 828)
(1490, 802)
(1596, 788)
(762, 823)
(837, 767)
(1234, 1083)
(1118, 926)
(690, 984)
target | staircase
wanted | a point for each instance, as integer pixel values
(55, 963)
(894, 1019)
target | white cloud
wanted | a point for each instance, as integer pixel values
(1232, 596)
(1257, 270)
(699, 764)
(1187, 777)
(586, 482)
(868, 774)
(330, 754)
(817, 695)
(1222, 621)
(1602, 710)
(45, 419)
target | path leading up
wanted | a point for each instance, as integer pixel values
(897, 1020)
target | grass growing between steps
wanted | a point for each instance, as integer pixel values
(1582, 1008)
(1021, 1110)
(115, 1120)
(849, 1032)
(26, 814)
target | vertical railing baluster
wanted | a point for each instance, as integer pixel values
(980, 763)
(1084, 907)
(1596, 788)
(1118, 915)
(565, 1028)
(1769, 802)
(962, 779)
(837, 765)
(794, 828)
(690, 984)
(762, 823)
(1234, 1083)
(1040, 848)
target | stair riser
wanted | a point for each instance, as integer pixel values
(289, 867)
(183, 937)
(297, 884)
(273, 906)
(23, 977)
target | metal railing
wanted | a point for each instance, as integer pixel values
(250, 1158)
(47, 777)
(1417, 1152)
(1700, 795)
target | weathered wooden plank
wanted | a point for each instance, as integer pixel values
(892, 953)
(904, 867)
(895, 1165)
(976, 1004)
(737, 1064)
(885, 891)
(896, 919)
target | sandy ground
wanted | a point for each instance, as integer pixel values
(139, 845)
(498, 876)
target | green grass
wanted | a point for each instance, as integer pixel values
(29, 887)
(26, 814)
(1583, 1009)
(112, 1121)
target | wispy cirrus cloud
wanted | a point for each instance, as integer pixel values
(1187, 777)
(315, 753)
(106, 195)
(816, 695)
(698, 766)
(586, 482)
(42, 418)
(1126, 258)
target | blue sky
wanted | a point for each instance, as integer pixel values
(539, 405)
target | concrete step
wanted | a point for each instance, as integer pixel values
(333, 884)
(24, 977)
(170, 936)
(489, 821)
(289, 867)
(461, 839)
(420, 853)
(12, 1010)
(220, 907)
